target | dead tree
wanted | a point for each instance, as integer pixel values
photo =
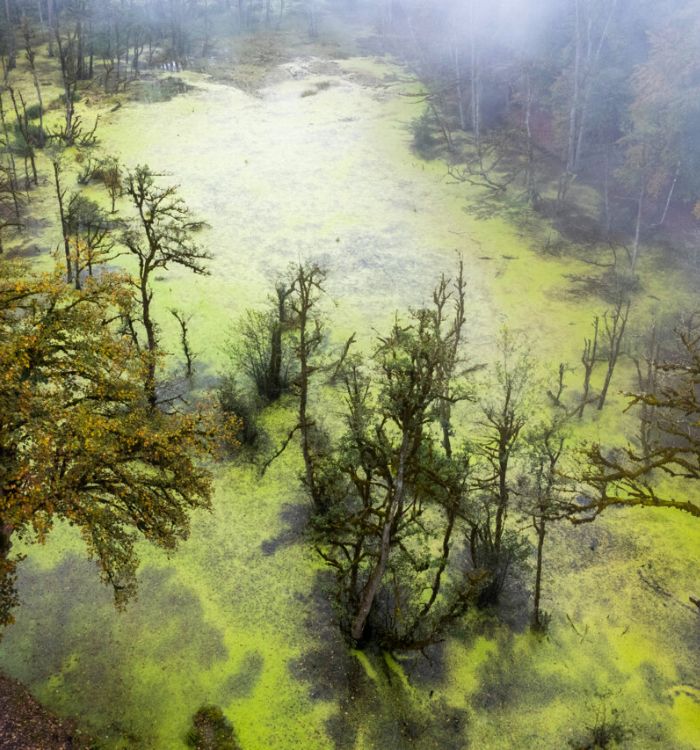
(662, 479)
(162, 236)
(70, 75)
(8, 167)
(61, 198)
(10, 38)
(277, 381)
(646, 362)
(561, 386)
(544, 498)
(23, 128)
(589, 357)
(306, 288)
(184, 323)
(31, 57)
(615, 324)
(90, 233)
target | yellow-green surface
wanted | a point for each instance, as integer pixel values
(236, 617)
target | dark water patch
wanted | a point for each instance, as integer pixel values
(514, 604)
(81, 657)
(28, 250)
(391, 712)
(655, 683)
(427, 668)
(397, 718)
(296, 517)
(328, 668)
(506, 677)
(156, 90)
(174, 612)
(243, 682)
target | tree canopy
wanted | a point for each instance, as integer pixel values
(79, 441)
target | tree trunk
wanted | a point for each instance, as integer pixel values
(12, 166)
(588, 360)
(371, 588)
(304, 424)
(669, 197)
(78, 285)
(606, 190)
(475, 85)
(616, 336)
(541, 529)
(62, 215)
(51, 21)
(11, 52)
(451, 518)
(460, 93)
(530, 151)
(638, 223)
(275, 385)
(503, 493)
(575, 95)
(42, 138)
(5, 539)
(151, 340)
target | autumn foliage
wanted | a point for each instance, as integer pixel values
(79, 441)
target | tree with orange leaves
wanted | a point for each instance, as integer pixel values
(79, 441)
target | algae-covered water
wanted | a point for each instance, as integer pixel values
(237, 616)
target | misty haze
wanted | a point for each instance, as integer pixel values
(349, 374)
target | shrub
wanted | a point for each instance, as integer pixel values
(233, 402)
(33, 111)
(211, 730)
(424, 140)
(607, 731)
(262, 342)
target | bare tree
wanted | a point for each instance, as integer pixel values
(10, 37)
(162, 236)
(184, 323)
(30, 53)
(555, 396)
(492, 546)
(614, 323)
(90, 235)
(589, 357)
(61, 192)
(544, 496)
(70, 75)
(626, 477)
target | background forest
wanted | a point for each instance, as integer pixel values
(357, 344)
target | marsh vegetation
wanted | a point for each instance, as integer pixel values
(350, 363)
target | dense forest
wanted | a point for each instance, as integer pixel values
(356, 345)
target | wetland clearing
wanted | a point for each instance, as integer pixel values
(301, 154)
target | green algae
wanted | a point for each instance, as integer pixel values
(281, 177)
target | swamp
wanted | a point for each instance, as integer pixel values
(349, 374)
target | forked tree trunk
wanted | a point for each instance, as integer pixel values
(369, 592)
